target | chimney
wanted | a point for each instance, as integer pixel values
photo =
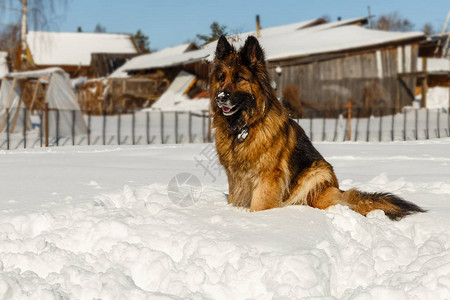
(258, 27)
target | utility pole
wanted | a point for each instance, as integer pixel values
(23, 34)
(369, 16)
(258, 27)
(444, 29)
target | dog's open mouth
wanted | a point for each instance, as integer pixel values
(228, 110)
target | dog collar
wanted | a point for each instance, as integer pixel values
(242, 135)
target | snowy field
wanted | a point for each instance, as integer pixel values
(102, 223)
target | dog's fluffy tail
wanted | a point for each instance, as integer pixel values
(393, 206)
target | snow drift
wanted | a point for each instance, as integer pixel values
(97, 222)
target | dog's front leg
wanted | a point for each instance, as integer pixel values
(268, 192)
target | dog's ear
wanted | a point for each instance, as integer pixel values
(252, 53)
(223, 48)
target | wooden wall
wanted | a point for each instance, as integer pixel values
(369, 78)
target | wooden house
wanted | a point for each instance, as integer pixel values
(73, 51)
(329, 63)
(136, 84)
(373, 69)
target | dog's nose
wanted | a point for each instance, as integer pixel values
(222, 97)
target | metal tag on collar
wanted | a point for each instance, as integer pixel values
(243, 134)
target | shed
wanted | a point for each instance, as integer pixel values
(135, 87)
(72, 51)
(65, 117)
(331, 66)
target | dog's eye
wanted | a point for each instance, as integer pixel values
(222, 78)
(239, 79)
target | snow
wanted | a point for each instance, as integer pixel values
(148, 61)
(177, 102)
(37, 73)
(175, 99)
(437, 97)
(97, 222)
(75, 48)
(435, 65)
(3, 64)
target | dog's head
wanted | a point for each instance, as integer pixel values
(239, 84)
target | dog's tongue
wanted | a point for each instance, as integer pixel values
(226, 109)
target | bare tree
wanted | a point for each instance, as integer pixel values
(38, 13)
(428, 29)
(392, 22)
(99, 28)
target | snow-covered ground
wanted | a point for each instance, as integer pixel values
(104, 222)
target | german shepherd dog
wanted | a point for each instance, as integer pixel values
(268, 159)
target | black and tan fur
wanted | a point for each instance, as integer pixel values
(269, 160)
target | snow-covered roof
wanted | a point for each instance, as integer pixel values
(146, 61)
(312, 41)
(175, 99)
(288, 41)
(3, 64)
(435, 65)
(310, 26)
(75, 48)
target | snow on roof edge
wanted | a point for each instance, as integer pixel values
(34, 74)
(343, 47)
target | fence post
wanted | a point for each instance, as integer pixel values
(368, 124)
(104, 127)
(349, 120)
(7, 128)
(25, 114)
(176, 127)
(41, 112)
(162, 127)
(133, 125)
(404, 124)
(416, 121)
(190, 127)
(73, 127)
(393, 123)
(323, 125)
(57, 127)
(428, 119)
(46, 124)
(358, 115)
(147, 123)
(336, 126)
(438, 123)
(203, 126)
(119, 122)
(381, 124)
(89, 127)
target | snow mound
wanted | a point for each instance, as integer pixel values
(135, 243)
(437, 97)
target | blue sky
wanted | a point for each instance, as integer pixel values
(172, 22)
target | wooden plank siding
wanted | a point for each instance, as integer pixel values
(369, 78)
